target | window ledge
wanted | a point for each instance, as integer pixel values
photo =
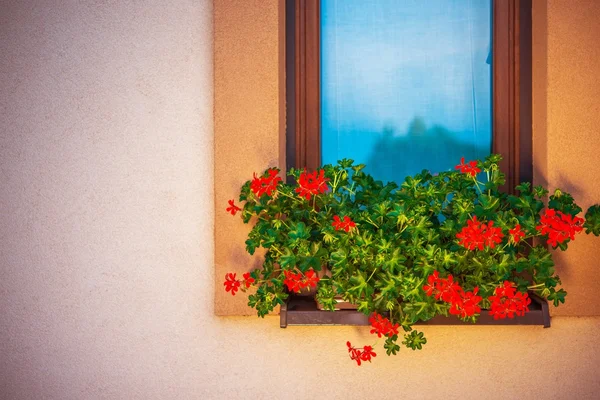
(303, 311)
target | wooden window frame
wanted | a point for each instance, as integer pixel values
(511, 87)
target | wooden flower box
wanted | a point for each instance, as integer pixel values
(303, 310)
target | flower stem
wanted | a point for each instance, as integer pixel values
(533, 287)
(288, 196)
(372, 273)
(276, 250)
(372, 223)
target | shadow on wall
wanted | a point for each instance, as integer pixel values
(436, 148)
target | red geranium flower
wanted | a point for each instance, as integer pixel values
(354, 353)
(311, 184)
(559, 226)
(231, 284)
(471, 236)
(382, 326)
(477, 234)
(367, 353)
(248, 280)
(359, 355)
(347, 224)
(491, 235)
(265, 184)
(448, 290)
(464, 304)
(310, 279)
(467, 304)
(232, 207)
(292, 281)
(516, 234)
(431, 280)
(297, 282)
(507, 302)
(442, 288)
(470, 168)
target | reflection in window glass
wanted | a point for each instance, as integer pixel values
(405, 84)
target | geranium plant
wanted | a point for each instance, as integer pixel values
(439, 244)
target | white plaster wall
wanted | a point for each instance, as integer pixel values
(106, 198)
(106, 238)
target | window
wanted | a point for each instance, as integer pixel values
(309, 78)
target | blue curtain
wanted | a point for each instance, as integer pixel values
(405, 84)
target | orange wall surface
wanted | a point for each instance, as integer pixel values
(566, 131)
(113, 115)
(249, 123)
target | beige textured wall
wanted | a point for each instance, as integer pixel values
(106, 209)
(106, 239)
(249, 123)
(566, 127)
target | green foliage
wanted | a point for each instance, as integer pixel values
(265, 299)
(402, 234)
(592, 220)
(414, 340)
(390, 345)
(564, 202)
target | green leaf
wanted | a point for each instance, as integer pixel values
(489, 203)
(346, 163)
(359, 284)
(299, 231)
(288, 259)
(414, 340)
(503, 267)
(270, 238)
(251, 245)
(326, 295)
(339, 257)
(564, 202)
(524, 188)
(390, 345)
(558, 297)
(364, 307)
(308, 262)
(592, 220)
(540, 192)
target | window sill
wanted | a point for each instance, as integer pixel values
(303, 311)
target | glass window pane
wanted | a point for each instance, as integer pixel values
(405, 84)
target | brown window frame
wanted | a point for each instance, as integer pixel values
(511, 87)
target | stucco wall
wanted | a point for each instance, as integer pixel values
(106, 233)
(566, 130)
(249, 123)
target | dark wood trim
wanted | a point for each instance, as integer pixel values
(511, 87)
(504, 138)
(290, 84)
(305, 97)
(525, 92)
